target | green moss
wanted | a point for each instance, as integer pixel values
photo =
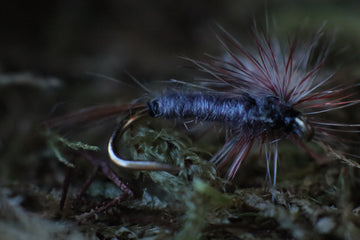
(57, 144)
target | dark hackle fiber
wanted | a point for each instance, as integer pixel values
(243, 112)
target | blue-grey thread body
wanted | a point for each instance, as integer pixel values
(251, 115)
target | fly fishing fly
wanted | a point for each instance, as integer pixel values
(263, 95)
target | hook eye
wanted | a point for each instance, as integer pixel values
(305, 130)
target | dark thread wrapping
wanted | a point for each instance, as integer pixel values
(253, 116)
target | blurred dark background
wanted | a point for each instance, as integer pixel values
(49, 51)
(53, 53)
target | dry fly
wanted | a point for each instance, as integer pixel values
(262, 94)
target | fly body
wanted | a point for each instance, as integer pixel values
(250, 116)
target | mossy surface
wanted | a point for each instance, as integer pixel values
(51, 62)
